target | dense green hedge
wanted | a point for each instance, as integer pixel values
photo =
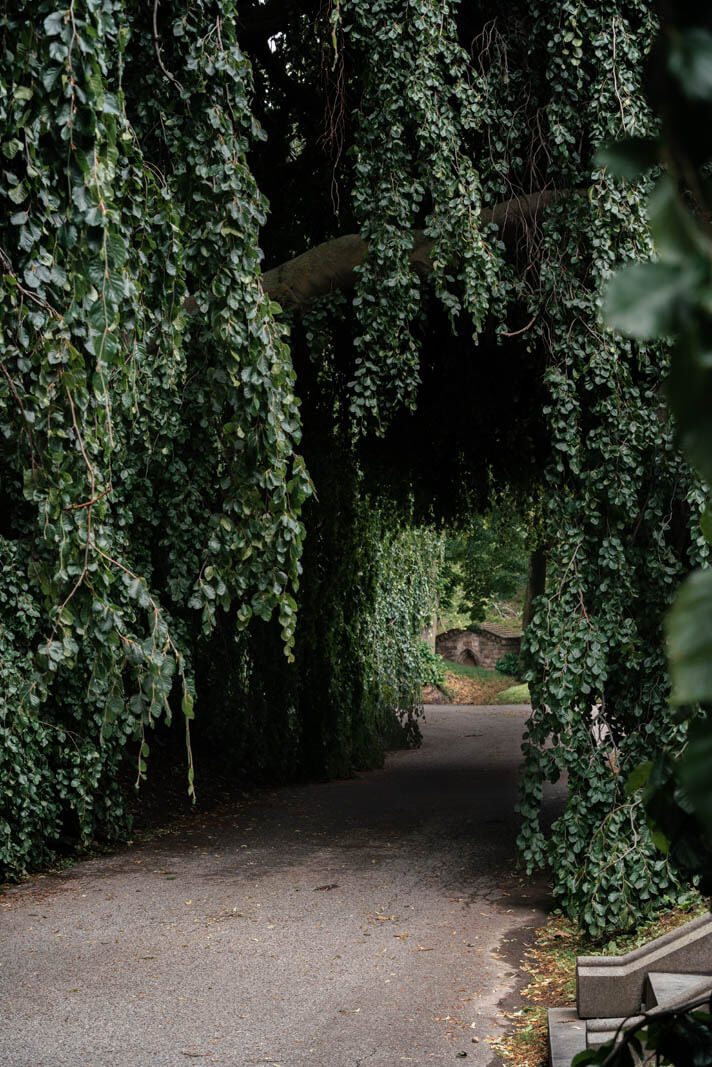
(369, 586)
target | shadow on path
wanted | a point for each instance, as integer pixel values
(364, 923)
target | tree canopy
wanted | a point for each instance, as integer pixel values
(415, 182)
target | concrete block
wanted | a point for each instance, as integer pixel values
(661, 987)
(567, 1036)
(611, 986)
(598, 1031)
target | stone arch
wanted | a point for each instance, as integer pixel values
(459, 646)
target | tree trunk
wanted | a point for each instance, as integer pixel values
(536, 585)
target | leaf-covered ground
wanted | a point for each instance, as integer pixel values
(472, 685)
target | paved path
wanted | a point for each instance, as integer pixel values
(373, 922)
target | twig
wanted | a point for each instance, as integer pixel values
(88, 503)
(157, 47)
(615, 76)
(28, 424)
(531, 322)
(92, 480)
(7, 266)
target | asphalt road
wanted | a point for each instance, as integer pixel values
(372, 922)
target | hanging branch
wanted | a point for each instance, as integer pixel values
(332, 264)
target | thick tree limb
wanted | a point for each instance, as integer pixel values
(330, 265)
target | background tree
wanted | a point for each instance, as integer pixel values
(486, 563)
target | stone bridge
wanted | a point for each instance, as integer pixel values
(482, 647)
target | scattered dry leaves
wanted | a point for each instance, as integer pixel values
(467, 690)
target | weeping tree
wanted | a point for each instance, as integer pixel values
(418, 178)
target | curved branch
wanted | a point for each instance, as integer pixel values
(331, 265)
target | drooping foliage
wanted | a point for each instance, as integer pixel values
(418, 102)
(670, 298)
(368, 588)
(149, 465)
(150, 477)
(151, 491)
(621, 510)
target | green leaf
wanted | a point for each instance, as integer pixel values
(54, 23)
(187, 706)
(675, 232)
(111, 105)
(116, 249)
(706, 524)
(638, 778)
(689, 636)
(694, 770)
(18, 193)
(589, 1055)
(11, 148)
(114, 707)
(689, 391)
(647, 299)
(690, 62)
(629, 157)
(660, 841)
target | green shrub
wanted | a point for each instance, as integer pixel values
(508, 664)
(431, 666)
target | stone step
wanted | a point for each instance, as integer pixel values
(567, 1036)
(598, 1031)
(569, 1033)
(659, 976)
(661, 987)
(609, 986)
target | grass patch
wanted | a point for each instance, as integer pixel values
(516, 694)
(469, 670)
(551, 966)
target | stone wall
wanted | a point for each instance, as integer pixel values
(481, 648)
(495, 642)
(458, 646)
